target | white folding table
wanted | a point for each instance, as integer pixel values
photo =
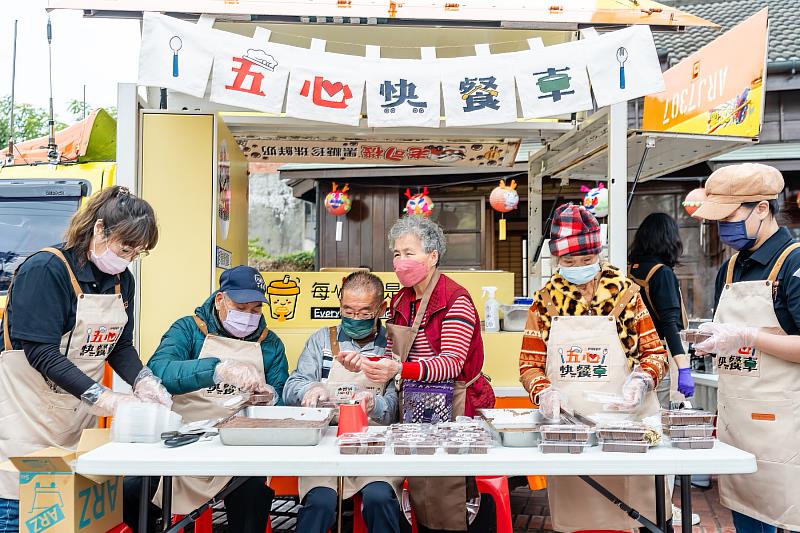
(212, 458)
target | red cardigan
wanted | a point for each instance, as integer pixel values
(444, 294)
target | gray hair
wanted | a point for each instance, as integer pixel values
(364, 282)
(425, 229)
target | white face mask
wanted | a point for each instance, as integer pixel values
(580, 275)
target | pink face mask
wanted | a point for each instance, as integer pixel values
(109, 262)
(409, 271)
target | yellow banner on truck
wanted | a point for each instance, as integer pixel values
(311, 299)
(718, 90)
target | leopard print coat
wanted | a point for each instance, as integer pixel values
(634, 326)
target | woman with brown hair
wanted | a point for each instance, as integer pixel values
(69, 310)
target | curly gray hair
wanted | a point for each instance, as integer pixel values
(428, 232)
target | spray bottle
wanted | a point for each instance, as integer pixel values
(491, 310)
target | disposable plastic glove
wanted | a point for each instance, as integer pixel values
(269, 391)
(726, 339)
(634, 391)
(316, 393)
(685, 382)
(103, 401)
(148, 388)
(550, 401)
(367, 397)
(243, 375)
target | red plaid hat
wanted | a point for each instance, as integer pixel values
(574, 231)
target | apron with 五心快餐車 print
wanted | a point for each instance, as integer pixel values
(584, 354)
(34, 412)
(758, 404)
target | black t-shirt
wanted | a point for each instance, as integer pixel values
(41, 310)
(756, 265)
(663, 300)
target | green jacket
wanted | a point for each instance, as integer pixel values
(176, 360)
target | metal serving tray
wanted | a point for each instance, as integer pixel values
(293, 426)
(502, 419)
(520, 438)
(521, 428)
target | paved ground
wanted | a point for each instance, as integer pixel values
(529, 511)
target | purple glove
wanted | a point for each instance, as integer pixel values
(685, 382)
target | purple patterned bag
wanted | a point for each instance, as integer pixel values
(427, 401)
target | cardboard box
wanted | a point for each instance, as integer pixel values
(54, 499)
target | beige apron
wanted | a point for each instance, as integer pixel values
(759, 408)
(671, 394)
(34, 412)
(438, 502)
(584, 354)
(352, 485)
(190, 492)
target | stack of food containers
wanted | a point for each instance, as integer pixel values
(371, 443)
(689, 429)
(419, 439)
(565, 438)
(626, 437)
(464, 438)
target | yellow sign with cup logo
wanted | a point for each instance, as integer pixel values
(311, 299)
(283, 295)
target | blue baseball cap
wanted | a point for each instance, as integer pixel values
(243, 284)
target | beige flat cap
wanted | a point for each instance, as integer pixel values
(730, 187)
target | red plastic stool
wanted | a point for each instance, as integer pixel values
(497, 488)
(204, 524)
(121, 528)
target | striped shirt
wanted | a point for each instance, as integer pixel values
(458, 326)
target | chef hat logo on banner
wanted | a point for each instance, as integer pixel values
(175, 54)
(251, 74)
(261, 58)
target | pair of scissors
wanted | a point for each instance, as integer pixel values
(176, 439)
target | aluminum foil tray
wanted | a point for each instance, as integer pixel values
(276, 426)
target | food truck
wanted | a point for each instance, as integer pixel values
(401, 84)
(29, 182)
(186, 138)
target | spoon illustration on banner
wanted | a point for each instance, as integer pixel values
(622, 57)
(175, 45)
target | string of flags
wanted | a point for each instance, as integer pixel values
(484, 89)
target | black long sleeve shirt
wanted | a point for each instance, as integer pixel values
(663, 300)
(756, 266)
(41, 309)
